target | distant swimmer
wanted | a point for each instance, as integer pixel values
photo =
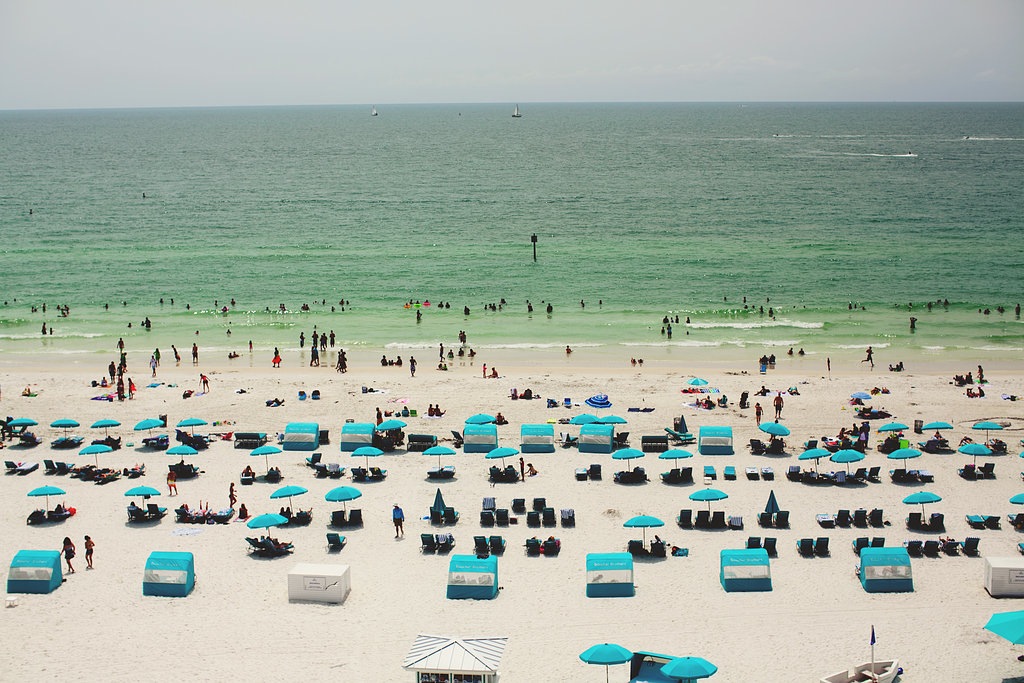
(143, 195)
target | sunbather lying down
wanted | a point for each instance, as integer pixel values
(275, 402)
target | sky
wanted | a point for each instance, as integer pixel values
(157, 53)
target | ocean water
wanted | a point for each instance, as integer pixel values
(837, 217)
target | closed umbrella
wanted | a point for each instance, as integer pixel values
(501, 452)
(288, 492)
(584, 419)
(922, 498)
(389, 425)
(367, 452)
(904, 454)
(481, 419)
(709, 495)
(46, 491)
(342, 494)
(689, 668)
(772, 506)
(439, 451)
(606, 654)
(266, 451)
(643, 522)
(95, 450)
(846, 456)
(774, 429)
(266, 521)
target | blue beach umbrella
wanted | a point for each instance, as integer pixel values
(22, 422)
(1018, 499)
(367, 452)
(288, 492)
(182, 450)
(266, 451)
(144, 492)
(439, 451)
(904, 454)
(815, 454)
(627, 454)
(342, 494)
(192, 423)
(148, 424)
(974, 450)
(599, 401)
(774, 429)
(1008, 625)
(689, 668)
(846, 456)
(862, 395)
(64, 423)
(922, 498)
(46, 491)
(675, 454)
(893, 427)
(611, 420)
(584, 419)
(708, 495)
(643, 522)
(697, 382)
(388, 425)
(105, 424)
(606, 654)
(988, 427)
(937, 425)
(94, 450)
(481, 419)
(266, 521)
(501, 452)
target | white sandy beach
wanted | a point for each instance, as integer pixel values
(239, 624)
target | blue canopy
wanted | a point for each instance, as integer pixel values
(815, 454)
(675, 454)
(148, 423)
(774, 428)
(144, 491)
(627, 454)
(105, 423)
(688, 668)
(266, 521)
(921, 498)
(389, 425)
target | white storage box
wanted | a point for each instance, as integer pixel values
(319, 583)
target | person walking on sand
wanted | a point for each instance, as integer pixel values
(778, 406)
(195, 353)
(153, 364)
(69, 553)
(398, 517)
(485, 370)
(232, 496)
(172, 483)
(522, 469)
(412, 366)
(870, 358)
(89, 545)
(131, 388)
(758, 412)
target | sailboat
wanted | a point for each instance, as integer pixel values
(516, 114)
(373, 111)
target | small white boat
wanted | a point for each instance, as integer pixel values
(373, 111)
(885, 671)
(516, 114)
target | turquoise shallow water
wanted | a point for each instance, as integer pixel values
(652, 209)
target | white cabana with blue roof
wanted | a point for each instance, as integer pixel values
(597, 438)
(356, 435)
(169, 574)
(537, 438)
(301, 436)
(35, 571)
(745, 570)
(886, 570)
(610, 575)
(479, 438)
(715, 441)
(471, 577)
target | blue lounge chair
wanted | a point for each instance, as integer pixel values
(709, 471)
(335, 541)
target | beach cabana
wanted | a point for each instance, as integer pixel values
(597, 438)
(715, 441)
(437, 658)
(355, 435)
(610, 575)
(479, 438)
(745, 570)
(301, 436)
(327, 583)
(537, 438)
(472, 578)
(167, 574)
(35, 571)
(886, 570)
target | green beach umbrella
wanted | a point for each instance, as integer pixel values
(22, 422)
(643, 522)
(988, 426)
(697, 382)
(937, 425)
(65, 423)
(815, 454)
(904, 454)
(893, 427)
(846, 456)
(606, 654)
(501, 453)
(1018, 499)
(288, 492)
(611, 420)
(481, 419)
(774, 429)
(974, 450)
(144, 492)
(148, 424)
(1008, 625)
(192, 423)
(628, 454)
(182, 450)
(105, 424)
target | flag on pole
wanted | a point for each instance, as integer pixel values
(872, 634)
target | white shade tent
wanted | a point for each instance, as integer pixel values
(431, 654)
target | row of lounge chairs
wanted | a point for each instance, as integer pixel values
(637, 475)
(973, 473)
(904, 476)
(916, 522)
(755, 474)
(778, 520)
(508, 475)
(636, 548)
(58, 514)
(860, 518)
(66, 442)
(754, 542)
(436, 543)
(99, 475)
(20, 468)
(773, 447)
(809, 547)
(593, 472)
(984, 521)
(862, 475)
(353, 518)
(864, 542)
(187, 516)
(446, 515)
(917, 548)
(268, 547)
(150, 513)
(706, 519)
(372, 474)
(550, 548)
(484, 545)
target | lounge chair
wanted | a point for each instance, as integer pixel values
(991, 521)
(457, 436)
(36, 517)
(860, 518)
(805, 546)
(533, 519)
(497, 545)
(63, 468)
(595, 471)
(765, 519)
(769, 546)
(914, 522)
(338, 518)
(155, 511)
(735, 522)
(636, 548)
(621, 439)
(730, 473)
(539, 504)
(753, 542)
(581, 474)
(533, 546)
(757, 447)
(481, 547)
(658, 549)
(703, 520)
(968, 472)
(445, 472)
(501, 517)
(685, 519)
(914, 548)
(550, 548)
(548, 517)
(718, 520)
(821, 546)
(987, 471)
(27, 467)
(860, 476)
(859, 544)
(137, 514)
(680, 438)
(568, 517)
(670, 477)
(335, 541)
(50, 467)
(654, 444)
(976, 521)
(931, 548)
(314, 460)
(486, 518)
(776, 447)
(519, 505)
(794, 473)
(768, 473)
(843, 519)
(782, 519)
(936, 522)
(970, 545)
(950, 547)
(825, 520)
(377, 474)
(709, 472)
(876, 518)
(752, 473)
(873, 474)
(428, 543)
